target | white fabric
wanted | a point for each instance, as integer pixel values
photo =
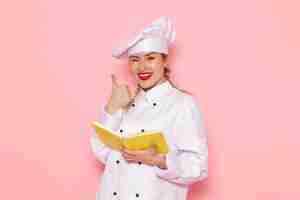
(156, 37)
(178, 116)
(152, 44)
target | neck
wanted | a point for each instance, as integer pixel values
(160, 81)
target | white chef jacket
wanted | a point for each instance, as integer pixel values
(177, 115)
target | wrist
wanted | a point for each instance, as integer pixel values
(111, 108)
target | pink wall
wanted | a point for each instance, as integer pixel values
(240, 58)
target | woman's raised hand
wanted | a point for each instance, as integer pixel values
(120, 97)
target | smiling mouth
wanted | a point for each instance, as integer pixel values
(145, 75)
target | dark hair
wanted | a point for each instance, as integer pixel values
(167, 72)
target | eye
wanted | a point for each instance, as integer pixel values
(151, 58)
(134, 60)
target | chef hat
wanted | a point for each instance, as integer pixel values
(154, 38)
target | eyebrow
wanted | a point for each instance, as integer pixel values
(133, 57)
(148, 54)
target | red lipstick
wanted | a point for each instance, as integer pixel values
(144, 75)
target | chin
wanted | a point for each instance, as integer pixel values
(146, 84)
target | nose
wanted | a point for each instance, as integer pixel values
(142, 65)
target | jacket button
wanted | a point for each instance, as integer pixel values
(117, 161)
(121, 130)
(142, 130)
(137, 195)
(114, 193)
(154, 104)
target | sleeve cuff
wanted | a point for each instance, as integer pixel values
(100, 151)
(113, 120)
(102, 155)
(172, 170)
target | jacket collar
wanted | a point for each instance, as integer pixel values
(156, 92)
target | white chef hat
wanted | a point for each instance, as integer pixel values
(154, 38)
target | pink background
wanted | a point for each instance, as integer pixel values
(241, 59)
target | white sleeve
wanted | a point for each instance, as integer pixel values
(189, 162)
(111, 121)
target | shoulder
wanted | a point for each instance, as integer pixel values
(186, 101)
(188, 112)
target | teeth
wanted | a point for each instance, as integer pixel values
(144, 75)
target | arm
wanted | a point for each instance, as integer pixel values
(112, 121)
(189, 162)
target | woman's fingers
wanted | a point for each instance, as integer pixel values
(131, 94)
(145, 159)
(133, 159)
(126, 155)
(141, 156)
(149, 151)
(129, 151)
(114, 81)
(120, 94)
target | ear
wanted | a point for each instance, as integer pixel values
(166, 63)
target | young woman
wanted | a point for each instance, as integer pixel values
(156, 105)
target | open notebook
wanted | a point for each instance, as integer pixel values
(140, 141)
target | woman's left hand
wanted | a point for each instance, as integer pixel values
(149, 157)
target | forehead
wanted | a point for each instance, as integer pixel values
(138, 55)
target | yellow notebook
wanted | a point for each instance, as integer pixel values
(140, 141)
